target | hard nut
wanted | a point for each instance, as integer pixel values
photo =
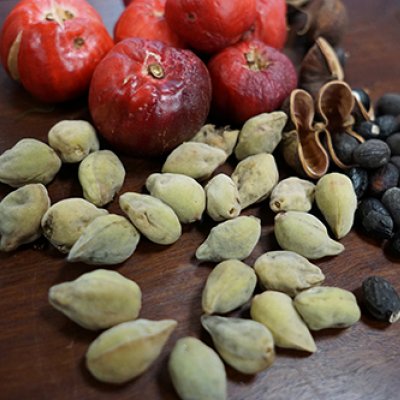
(153, 218)
(337, 200)
(229, 285)
(223, 138)
(73, 140)
(255, 177)
(292, 194)
(107, 240)
(29, 161)
(20, 214)
(276, 311)
(232, 239)
(260, 134)
(194, 159)
(222, 198)
(125, 351)
(182, 193)
(245, 345)
(287, 272)
(64, 222)
(97, 300)
(304, 234)
(325, 307)
(196, 371)
(101, 175)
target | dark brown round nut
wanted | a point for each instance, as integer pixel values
(382, 179)
(359, 178)
(391, 200)
(374, 219)
(389, 103)
(388, 124)
(368, 129)
(372, 153)
(344, 146)
(381, 299)
(393, 142)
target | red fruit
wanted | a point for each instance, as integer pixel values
(53, 47)
(270, 25)
(146, 98)
(145, 19)
(210, 25)
(250, 78)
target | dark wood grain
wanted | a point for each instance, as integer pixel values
(42, 353)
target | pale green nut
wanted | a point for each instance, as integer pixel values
(73, 140)
(232, 239)
(108, 240)
(97, 300)
(29, 161)
(20, 214)
(196, 371)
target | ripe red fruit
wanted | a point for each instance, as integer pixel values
(145, 19)
(250, 78)
(210, 25)
(53, 47)
(270, 25)
(146, 98)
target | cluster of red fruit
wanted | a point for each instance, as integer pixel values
(175, 61)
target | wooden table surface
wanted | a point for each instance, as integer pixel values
(42, 352)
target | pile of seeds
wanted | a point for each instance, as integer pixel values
(293, 304)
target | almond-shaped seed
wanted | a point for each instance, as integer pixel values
(108, 240)
(292, 194)
(276, 311)
(223, 138)
(324, 307)
(222, 198)
(196, 371)
(337, 200)
(20, 214)
(64, 222)
(229, 285)
(97, 300)
(73, 140)
(197, 160)
(245, 345)
(287, 272)
(152, 217)
(260, 134)
(182, 193)
(232, 239)
(304, 234)
(255, 177)
(125, 351)
(101, 175)
(29, 161)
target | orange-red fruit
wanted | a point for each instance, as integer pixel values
(145, 19)
(250, 78)
(210, 25)
(146, 98)
(270, 25)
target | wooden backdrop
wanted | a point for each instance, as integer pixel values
(42, 352)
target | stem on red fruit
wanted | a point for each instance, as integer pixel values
(79, 42)
(255, 61)
(156, 71)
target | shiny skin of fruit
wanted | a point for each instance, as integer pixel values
(210, 25)
(53, 46)
(250, 78)
(145, 19)
(270, 25)
(146, 98)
